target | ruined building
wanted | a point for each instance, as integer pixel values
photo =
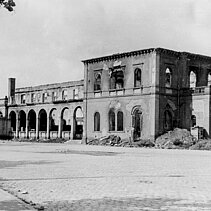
(136, 94)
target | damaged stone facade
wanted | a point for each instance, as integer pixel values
(144, 93)
(137, 94)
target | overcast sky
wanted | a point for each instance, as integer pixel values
(44, 41)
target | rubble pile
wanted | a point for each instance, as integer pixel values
(203, 144)
(176, 139)
(113, 140)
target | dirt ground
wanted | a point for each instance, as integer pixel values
(82, 177)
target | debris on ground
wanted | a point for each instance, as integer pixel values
(114, 140)
(202, 144)
(176, 139)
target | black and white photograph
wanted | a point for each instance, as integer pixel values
(105, 105)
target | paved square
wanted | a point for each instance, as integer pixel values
(80, 177)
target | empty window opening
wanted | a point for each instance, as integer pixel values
(193, 120)
(192, 79)
(97, 121)
(168, 77)
(23, 99)
(33, 97)
(44, 97)
(117, 79)
(64, 94)
(97, 82)
(75, 94)
(120, 121)
(137, 78)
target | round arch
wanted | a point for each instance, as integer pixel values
(78, 123)
(12, 117)
(32, 120)
(22, 118)
(53, 120)
(65, 119)
(42, 120)
(137, 121)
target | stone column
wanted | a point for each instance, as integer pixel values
(17, 128)
(37, 128)
(27, 128)
(48, 126)
(72, 126)
(60, 127)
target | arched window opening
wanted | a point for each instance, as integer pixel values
(97, 82)
(192, 79)
(64, 94)
(209, 79)
(111, 116)
(168, 120)
(120, 121)
(168, 77)
(137, 78)
(193, 121)
(97, 121)
(75, 93)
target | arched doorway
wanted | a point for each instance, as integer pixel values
(42, 123)
(53, 123)
(32, 123)
(12, 118)
(66, 123)
(78, 123)
(137, 119)
(22, 118)
(32, 120)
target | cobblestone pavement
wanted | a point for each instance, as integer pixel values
(80, 177)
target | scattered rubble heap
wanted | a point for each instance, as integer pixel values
(176, 139)
(113, 140)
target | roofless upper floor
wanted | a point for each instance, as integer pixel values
(146, 71)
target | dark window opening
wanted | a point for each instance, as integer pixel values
(97, 121)
(193, 120)
(168, 77)
(120, 121)
(117, 79)
(111, 120)
(137, 78)
(97, 83)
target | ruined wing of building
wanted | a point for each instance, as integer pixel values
(138, 94)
